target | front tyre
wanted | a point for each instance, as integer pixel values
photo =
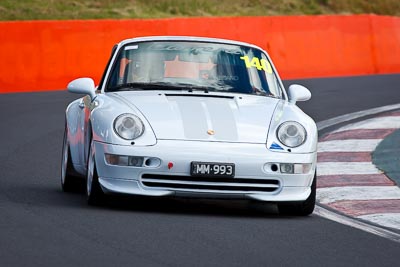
(304, 208)
(94, 193)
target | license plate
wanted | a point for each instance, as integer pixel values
(212, 169)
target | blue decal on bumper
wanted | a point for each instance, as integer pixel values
(275, 146)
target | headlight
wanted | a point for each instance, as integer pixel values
(128, 126)
(291, 134)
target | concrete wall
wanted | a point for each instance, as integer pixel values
(46, 55)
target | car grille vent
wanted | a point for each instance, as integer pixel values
(210, 184)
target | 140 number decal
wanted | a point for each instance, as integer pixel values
(255, 62)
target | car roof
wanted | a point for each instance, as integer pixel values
(187, 38)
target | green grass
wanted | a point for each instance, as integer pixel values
(123, 9)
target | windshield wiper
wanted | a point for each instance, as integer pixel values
(162, 86)
(190, 87)
(145, 86)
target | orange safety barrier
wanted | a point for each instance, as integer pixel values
(46, 55)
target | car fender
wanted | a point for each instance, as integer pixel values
(103, 115)
(284, 112)
(73, 117)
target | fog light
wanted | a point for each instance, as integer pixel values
(135, 161)
(297, 168)
(287, 168)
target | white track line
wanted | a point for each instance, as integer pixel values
(341, 168)
(352, 145)
(374, 123)
(391, 220)
(356, 115)
(334, 194)
(320, 211)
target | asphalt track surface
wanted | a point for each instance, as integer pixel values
(42, 226)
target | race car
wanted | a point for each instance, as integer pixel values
(191, 117)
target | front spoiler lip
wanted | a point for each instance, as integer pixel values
(133, 187)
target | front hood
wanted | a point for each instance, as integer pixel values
(204, 116)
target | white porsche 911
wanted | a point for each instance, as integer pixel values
(193, 117)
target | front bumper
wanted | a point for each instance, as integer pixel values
(253, 180)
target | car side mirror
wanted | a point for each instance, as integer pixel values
(83, 86)
(298, 93)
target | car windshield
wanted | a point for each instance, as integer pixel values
(188, 65)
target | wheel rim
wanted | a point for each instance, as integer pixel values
(90, 171)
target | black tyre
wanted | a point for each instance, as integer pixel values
(304, 208)
(94, 193)
(69, 181)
